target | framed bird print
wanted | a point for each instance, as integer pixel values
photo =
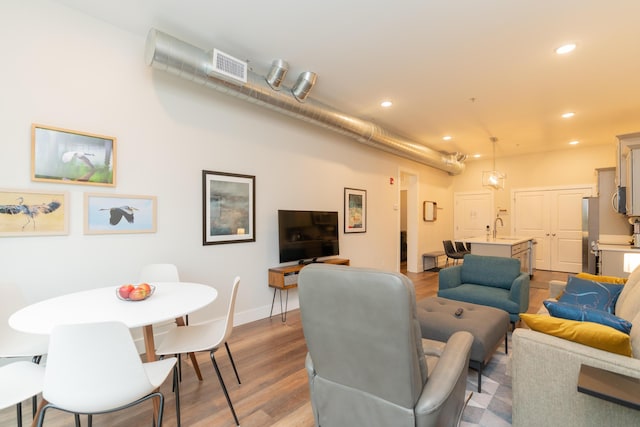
(31, 213)
(72, 157)
(119, 214)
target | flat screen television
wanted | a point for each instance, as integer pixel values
(304, 236)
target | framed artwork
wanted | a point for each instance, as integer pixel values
(119, 214)
(71, 157)
(32, 213)
(228, 208)
(429, 211)
(355, 210)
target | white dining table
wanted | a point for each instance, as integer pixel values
(170, 300)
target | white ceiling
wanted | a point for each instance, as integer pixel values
(431, 58)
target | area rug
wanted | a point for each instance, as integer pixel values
(492, 407)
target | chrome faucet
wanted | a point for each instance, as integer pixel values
(495, 226)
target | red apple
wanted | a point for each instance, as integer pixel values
(125, 290)
(145, 286)
(138, 294)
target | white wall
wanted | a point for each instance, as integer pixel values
(65, 69)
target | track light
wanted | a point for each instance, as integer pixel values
(303, 85)
(276, 75)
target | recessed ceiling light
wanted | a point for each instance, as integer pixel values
(447, 137)
(574, 143)
(477, 156)
(566, 48)
(386, 104)
(568, 115)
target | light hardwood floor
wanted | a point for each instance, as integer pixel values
(269, 355)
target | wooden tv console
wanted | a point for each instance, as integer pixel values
(285, 278)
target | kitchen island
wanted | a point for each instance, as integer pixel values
(612, 259)
(507, 247)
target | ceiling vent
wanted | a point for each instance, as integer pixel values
(229, 66)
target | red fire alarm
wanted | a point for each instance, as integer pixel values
(391, 181)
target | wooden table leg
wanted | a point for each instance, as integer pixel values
(192, 356)
(43, 402)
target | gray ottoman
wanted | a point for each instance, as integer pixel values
(488, 325)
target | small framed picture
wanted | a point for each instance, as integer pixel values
(72, 157)
(119, 214)
(228, 208)
(33, 213)
(429, 211)
(355, 210)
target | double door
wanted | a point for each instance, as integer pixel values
(554, 219)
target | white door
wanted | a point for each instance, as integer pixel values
(554, 219)
(566, 230)
(471, 214)
(532, 220)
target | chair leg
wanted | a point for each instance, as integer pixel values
(76, 417)
(176, 389)
(34, 400)
(224, 388)
(19, 413)
(90, 420)
(160, 409)
(232, 362)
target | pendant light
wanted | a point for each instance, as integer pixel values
(493, 178)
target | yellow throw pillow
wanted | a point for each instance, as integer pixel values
(602, 279)
(587, 333)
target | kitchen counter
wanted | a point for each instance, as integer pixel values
(499, 240)
(611, 259)
(618, 248)
(518, 247)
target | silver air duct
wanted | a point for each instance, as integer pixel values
(167, 53)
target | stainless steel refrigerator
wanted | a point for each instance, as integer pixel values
(590, 232)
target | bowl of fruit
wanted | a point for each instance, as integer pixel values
(139, 292)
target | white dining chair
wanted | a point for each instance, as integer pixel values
(168, 273)
(14, 344)
(160, 273)
(94, 368)
(208, 336)
(20, 381)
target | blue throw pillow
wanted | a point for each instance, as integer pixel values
(587, 314)
(602, 296)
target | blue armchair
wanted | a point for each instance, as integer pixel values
(487, 280)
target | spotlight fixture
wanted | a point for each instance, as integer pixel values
(568, 115)
(386, 104)
(303, 85)
(276, 75)
(447, 137)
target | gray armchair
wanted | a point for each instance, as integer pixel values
(366, 362)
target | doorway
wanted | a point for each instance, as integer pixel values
(409, 184)
(553, 217)
(472, 212)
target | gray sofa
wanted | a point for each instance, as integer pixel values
(545, 372)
